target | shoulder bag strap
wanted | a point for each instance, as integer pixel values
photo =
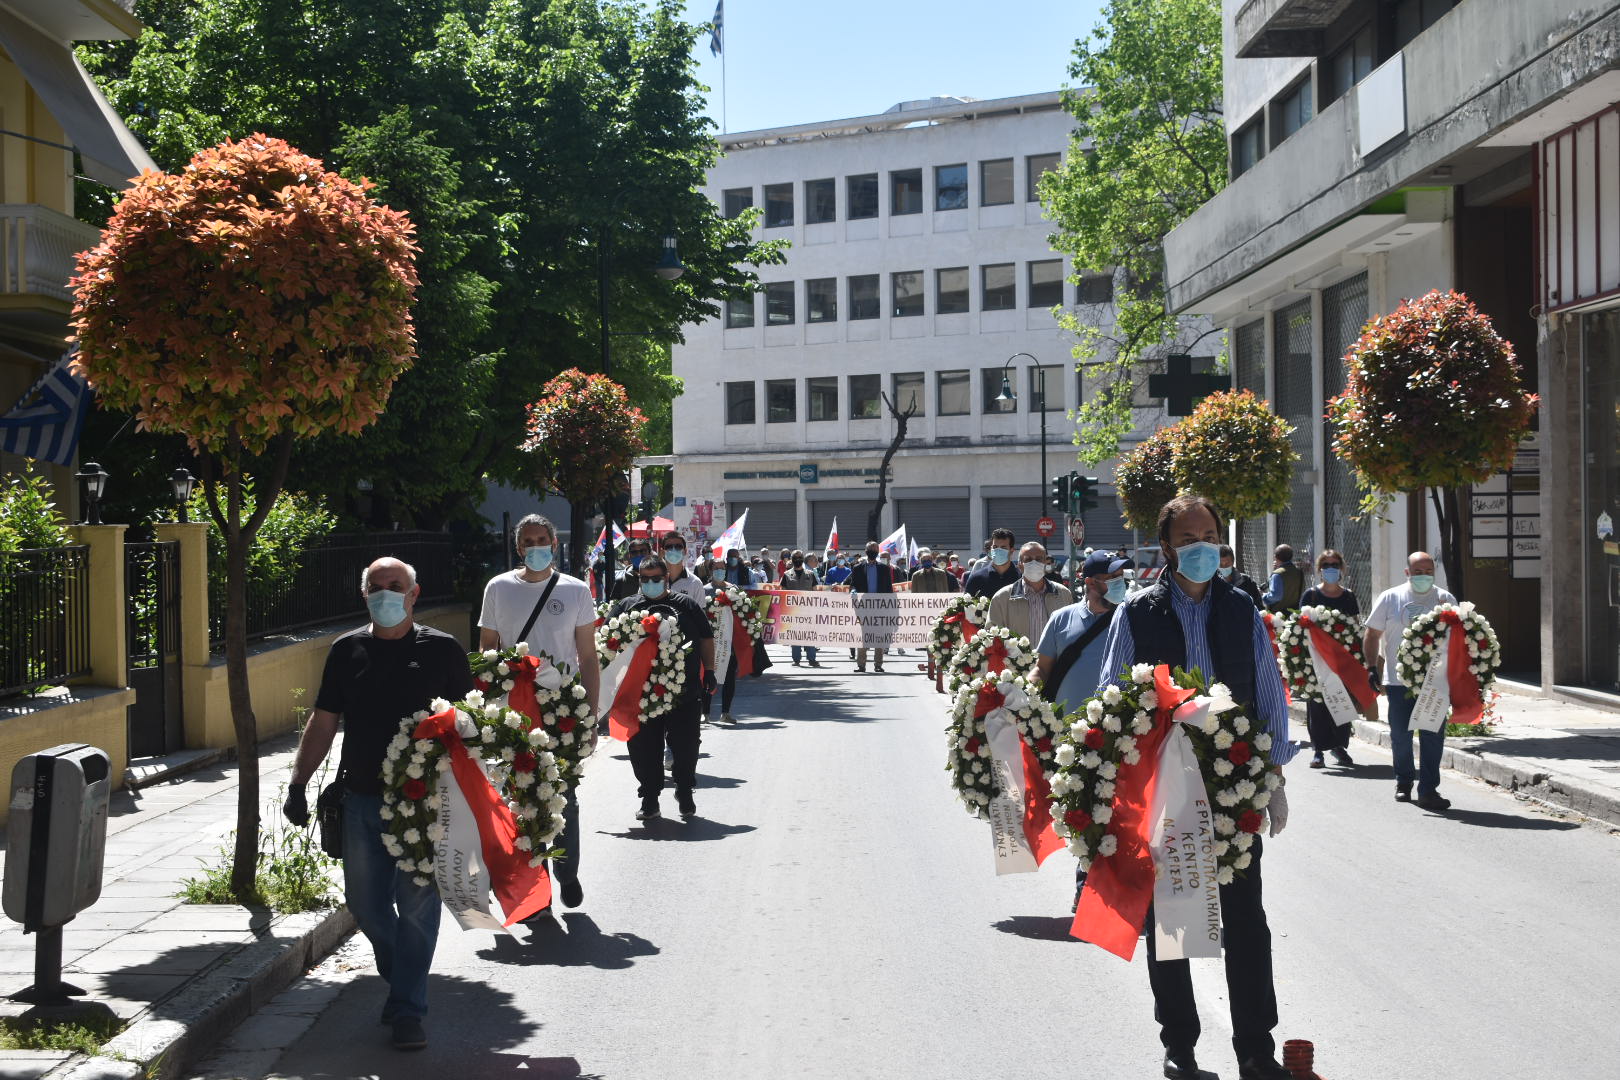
(535, 614)
(1070, 656)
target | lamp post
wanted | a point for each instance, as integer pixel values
(92, 482)
(1008, 394)
(668, 267)
(182, 482)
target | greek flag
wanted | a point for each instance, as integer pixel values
(46, 421)
(717, 40)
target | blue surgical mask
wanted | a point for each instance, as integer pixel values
(675, 556)
(652, 590)
(1198, 562)
(386, 606)
(999, 556)
(538, 559)
(1227, 571)
(1117, 589)
(928, 564)
(1422, 583)
(1331, 574)
(635, 562)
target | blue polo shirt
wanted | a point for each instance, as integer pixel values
(1063, 629)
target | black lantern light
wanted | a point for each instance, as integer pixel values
(182, 482)
(92, 483)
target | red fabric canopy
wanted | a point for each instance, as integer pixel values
(660, 526)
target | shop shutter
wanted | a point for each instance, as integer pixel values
(1018, 513)
(770, 524)
(1105, 529)
(941, 524)
(851, 515)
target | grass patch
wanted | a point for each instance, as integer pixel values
(88, 1038)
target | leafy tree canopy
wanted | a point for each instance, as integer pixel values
(1149, 148)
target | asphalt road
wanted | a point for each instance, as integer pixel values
(833, 912)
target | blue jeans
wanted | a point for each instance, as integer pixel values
(809, 652)
(399, 917)
(1430, 743)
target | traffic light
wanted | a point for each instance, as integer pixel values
(1082, 494)
(1060, 492)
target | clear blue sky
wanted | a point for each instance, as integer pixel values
(800, 61)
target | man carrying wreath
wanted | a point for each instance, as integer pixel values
(1193, 619)
(681, 726)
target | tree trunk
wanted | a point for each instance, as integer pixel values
(1448, 509)
(245, 859)
(874, 518)
(576, 540)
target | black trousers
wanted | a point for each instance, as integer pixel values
(1248, 975)
(1325, 734)
(728, 688)
(681, 728)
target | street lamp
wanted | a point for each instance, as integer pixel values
(669, 265)
(92, 482)
(182, 482)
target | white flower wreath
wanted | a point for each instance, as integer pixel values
(1429, 632)
(561, 704)
(950, 630)
(972, 658)
(668, 675)
(967, 750)
(728, 598)
(1294, 652)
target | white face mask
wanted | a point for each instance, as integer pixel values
(1034, 571)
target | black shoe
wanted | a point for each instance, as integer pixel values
(408, 1034)
(1180, 1065)
(688, 806)
(1343, 760)
(877, 667)
(862, 667)
(1316, 761)
(814, 664)
(1434, 801)
(572, 893)
(649, 810)
(795, 663)
(1265, 1068)
(1403, 791)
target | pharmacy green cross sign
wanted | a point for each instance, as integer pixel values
(1181, 388)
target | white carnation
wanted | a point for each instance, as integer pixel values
(1142, 674)
(1111, 695)
(414, 770)
(1149, 700)
(1223, 876)
(1223, 740)
(1065, 755)
(1223, 767)
(1108, 845)
(412, 836)
(1108, 770)
(523, 843)
(1102, 813)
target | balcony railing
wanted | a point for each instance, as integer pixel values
(37, 250)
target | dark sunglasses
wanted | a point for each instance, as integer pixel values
(1333, 566)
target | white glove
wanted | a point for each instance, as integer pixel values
(1278, 809)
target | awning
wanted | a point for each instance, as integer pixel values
(110, 153)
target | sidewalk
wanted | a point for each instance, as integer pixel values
(180, 975)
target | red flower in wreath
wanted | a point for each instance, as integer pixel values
(1094, 738)
(1240, 753)
(1294, 650)
(723, 599)
(972, 746)
(414, 789)
(601, 621)
(613, 643)
(523, 761)
(1044, 744)
(649, 623)
(1078, 820)
(1250, 821)
(567, 724)
(660, 689)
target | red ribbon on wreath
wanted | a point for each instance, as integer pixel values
(522, 698)
(1038, 832)
(1467, 700)
(995, 656)
(1270, 622)
(970, 629)
(1342, 662)
(521, 889)
(742, 645)
(1114, 905)
(624, 715)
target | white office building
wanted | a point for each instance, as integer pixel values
(919, 265)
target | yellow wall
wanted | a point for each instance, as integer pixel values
(31, 172)
(99, 720)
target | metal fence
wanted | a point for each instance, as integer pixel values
(323, 584)
(44, 617)
(1344, 312)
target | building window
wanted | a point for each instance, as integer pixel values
(821, 300)
(905, 192)
(1412, 17)
(863, 196)
(820, 201)
(1248, 146)
(990, 386)
(779, 303)
(1046, 388)
(1291, 111)
(910, 392)
(739, 403)
(865, 397)
(953, 394)
(951, 291)
(950, 187)
(1034, 166)
(1144, 287)
(1045, 283)
(1000, 290)
(1095, 289)
(778, 205)
(908, 293)
(740, 313)
(1348, 65)
(864, 301)
(996, 182)
(781, 401)
(822, 393)
(736, 200)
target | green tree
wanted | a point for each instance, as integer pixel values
(1235, 427)
(1149, 148)
(1144, 481)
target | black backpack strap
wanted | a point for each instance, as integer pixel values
(535, 614)
(1069, 657)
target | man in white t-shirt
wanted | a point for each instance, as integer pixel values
(552, 612)
(1391, 613)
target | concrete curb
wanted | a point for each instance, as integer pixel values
(208, 1007)
(1554, 789)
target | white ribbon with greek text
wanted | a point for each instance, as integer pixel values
(1186, 897)
(1013, 854)
(722, 642)
(613, 675)
(458, 861)
(1434, 700)
(1335, 695)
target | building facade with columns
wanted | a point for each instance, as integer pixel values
(919, 270)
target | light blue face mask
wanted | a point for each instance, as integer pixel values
(652, 590)
(1422, 583)
(1226, 572)
(999, 556)
(1198, 562)
(675, 556)
(1331, 574)
(1117, 590)
(538, 559)
(386, 606)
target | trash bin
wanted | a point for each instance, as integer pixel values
(56, 841)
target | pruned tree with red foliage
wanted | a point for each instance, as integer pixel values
(252, 299)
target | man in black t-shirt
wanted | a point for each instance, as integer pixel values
(375, 677)
(682, 725)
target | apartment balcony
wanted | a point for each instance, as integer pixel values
(1284, 27)
(37, 250)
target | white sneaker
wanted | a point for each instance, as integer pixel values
(727, 718)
